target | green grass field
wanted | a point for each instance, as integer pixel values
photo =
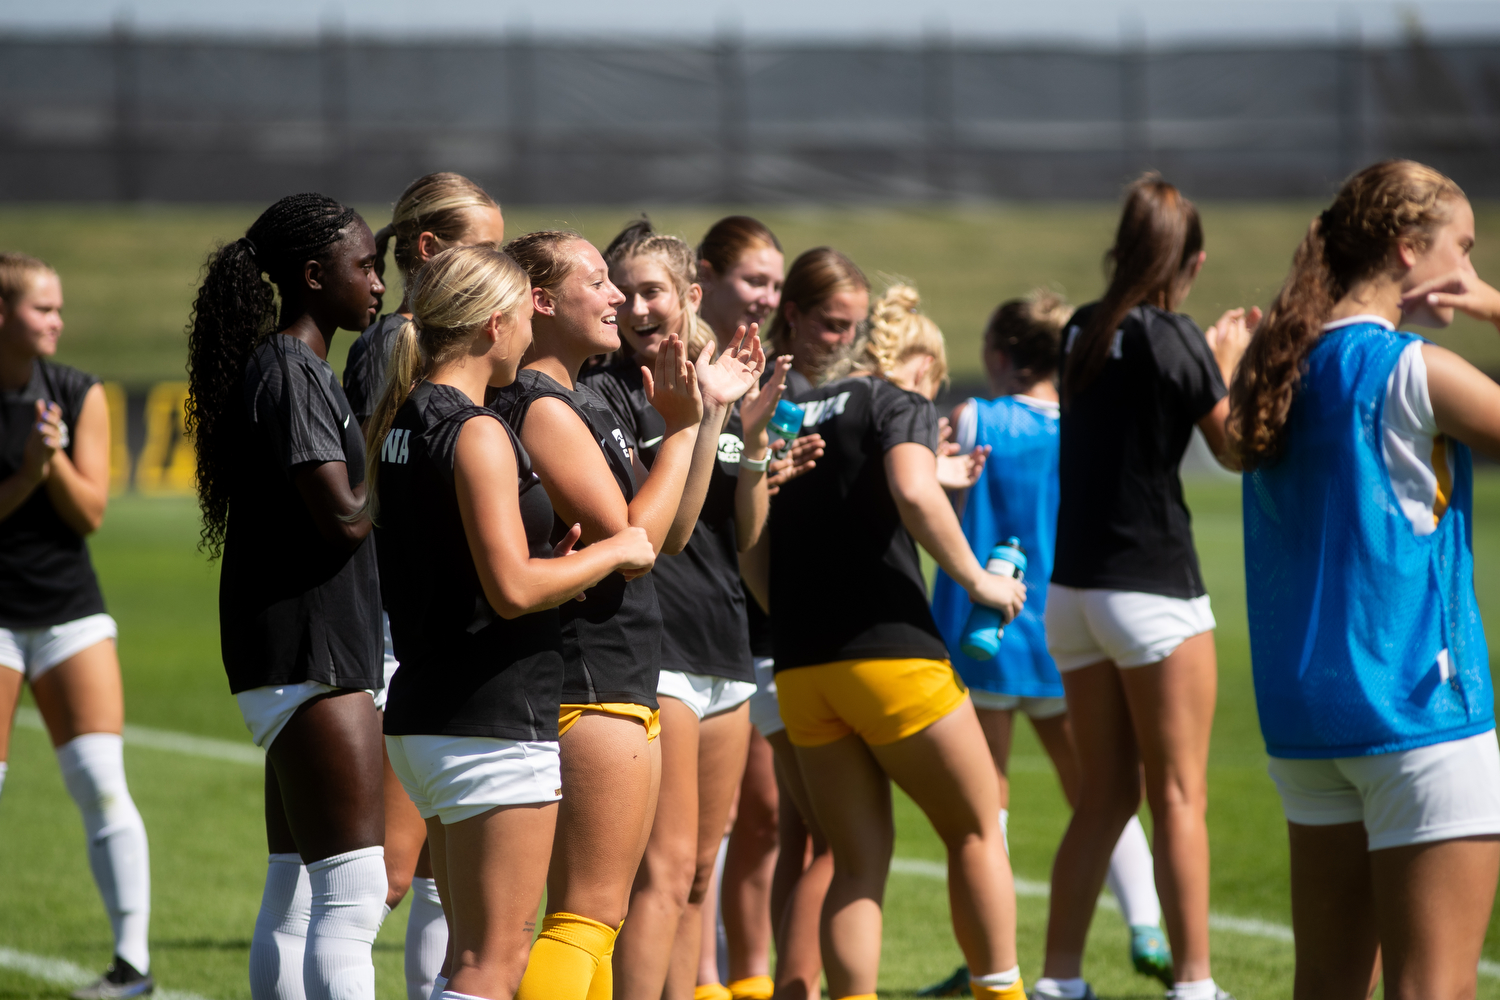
(129, 274)
(208, 848)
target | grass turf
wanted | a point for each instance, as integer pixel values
(204, 816)
(129, 273)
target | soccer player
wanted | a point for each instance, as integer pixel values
(609, 719)
(472, 589)
(54, 632)
(281, 468)
(1372, 675)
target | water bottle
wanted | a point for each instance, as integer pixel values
(982, 632)
(786, 422)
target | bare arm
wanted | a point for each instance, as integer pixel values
(1217, 436)
(751, 500)
(755, 570)
(335, 506)
(911, 470)
(79, 486)
(1465, 401)
(36, 461)
(1228, 339)
(484, 474)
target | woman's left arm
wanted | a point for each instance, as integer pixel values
(1228, 339)
(751, 500)
(79, 486)
(1465, 401)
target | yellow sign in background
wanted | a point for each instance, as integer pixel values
(167, 460)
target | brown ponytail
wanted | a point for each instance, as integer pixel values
(1379, 208)
(1158, 238)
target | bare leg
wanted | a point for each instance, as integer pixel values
(1109, 794)
(998, 728)
(1333, 911)
(1056, 737)
(750, 864)
(405, 836)
(806, 857)
(327, 762)
(437, 849)
(83, 694)
(10, 697)
(1172, 706)
(1433, 903)
(497, 870)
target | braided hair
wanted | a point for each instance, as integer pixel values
(1392, 203)
(234, 312)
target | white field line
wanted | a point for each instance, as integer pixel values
(61, 972)
(172, 742)
(1248, 926)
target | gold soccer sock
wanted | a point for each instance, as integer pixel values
(565, 958)
(752, 988)
(602, 986)
(711, 991)
(999, 986)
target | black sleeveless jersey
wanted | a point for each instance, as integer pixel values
(46, 577)
(611, 640)
(705, 630)
(465, 671)
(294, 606)
(364, 369)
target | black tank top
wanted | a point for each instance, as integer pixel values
(702, 603)
(465, 671)
(612, 640)
(46, 577)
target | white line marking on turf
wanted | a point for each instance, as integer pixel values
(172, 742)
(1248, 926)
(64, 973)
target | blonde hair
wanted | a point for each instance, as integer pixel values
(452, 296)
(639, 239)
(814, 277)
(438, 204)
(897, 332)
(17, 272)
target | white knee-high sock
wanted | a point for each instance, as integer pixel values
(276, 950)
(348, 904)
(426, 939)
(1005, 829)
(1132, 877)
(3, 768)
(93, 769)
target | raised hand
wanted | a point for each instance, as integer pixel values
(959, 472)
(673, 390)
(724, 379)
(46, 437)
(1229, 337)
(759, 403)
(798, 458)
(1462, 290)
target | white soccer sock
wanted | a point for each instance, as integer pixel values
(1132, 877)
(1198, 989)
(348, 895)
(1060, 989)
(999, 980)
(1005, 829)
(93, 769)
(426, 940)
(280, 940)
(3, 768)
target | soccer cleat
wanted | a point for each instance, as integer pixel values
(956, 985)
(1149, 953)
(1219, 994)
(119, 982)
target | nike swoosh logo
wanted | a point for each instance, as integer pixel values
(654, 441)
(346, 420)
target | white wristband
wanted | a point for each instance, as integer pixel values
(755, 464)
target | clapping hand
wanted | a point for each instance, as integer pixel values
(959, 472)
(798, 458)
(1229, 337)
(759, 403)
(673, 389)
(723, 380)
(46, 437)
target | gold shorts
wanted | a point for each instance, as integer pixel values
(881, 701)
(648, 717)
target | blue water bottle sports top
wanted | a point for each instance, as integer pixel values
(985, 627)
(786, 422)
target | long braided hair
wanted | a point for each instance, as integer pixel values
(235, 310)
(1379, 208)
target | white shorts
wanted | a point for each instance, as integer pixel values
(34, 651)
(1126, 626)
(1034, 708)
(389, 664)
(267, 710)
(705, 695)
(458, 777)
(765, 710)
(1438, 792)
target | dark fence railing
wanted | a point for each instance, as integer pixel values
(130, 117)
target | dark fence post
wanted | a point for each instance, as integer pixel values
(938, 114)
(1135, 99)
(1351, 96)
(734, 116)
(520, 60)
(125, 62)
(333, 79)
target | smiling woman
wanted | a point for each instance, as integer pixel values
(281, 467)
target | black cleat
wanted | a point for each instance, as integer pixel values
(119, 982)
(956, 985)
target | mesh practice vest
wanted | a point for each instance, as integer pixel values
(1364, 637)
